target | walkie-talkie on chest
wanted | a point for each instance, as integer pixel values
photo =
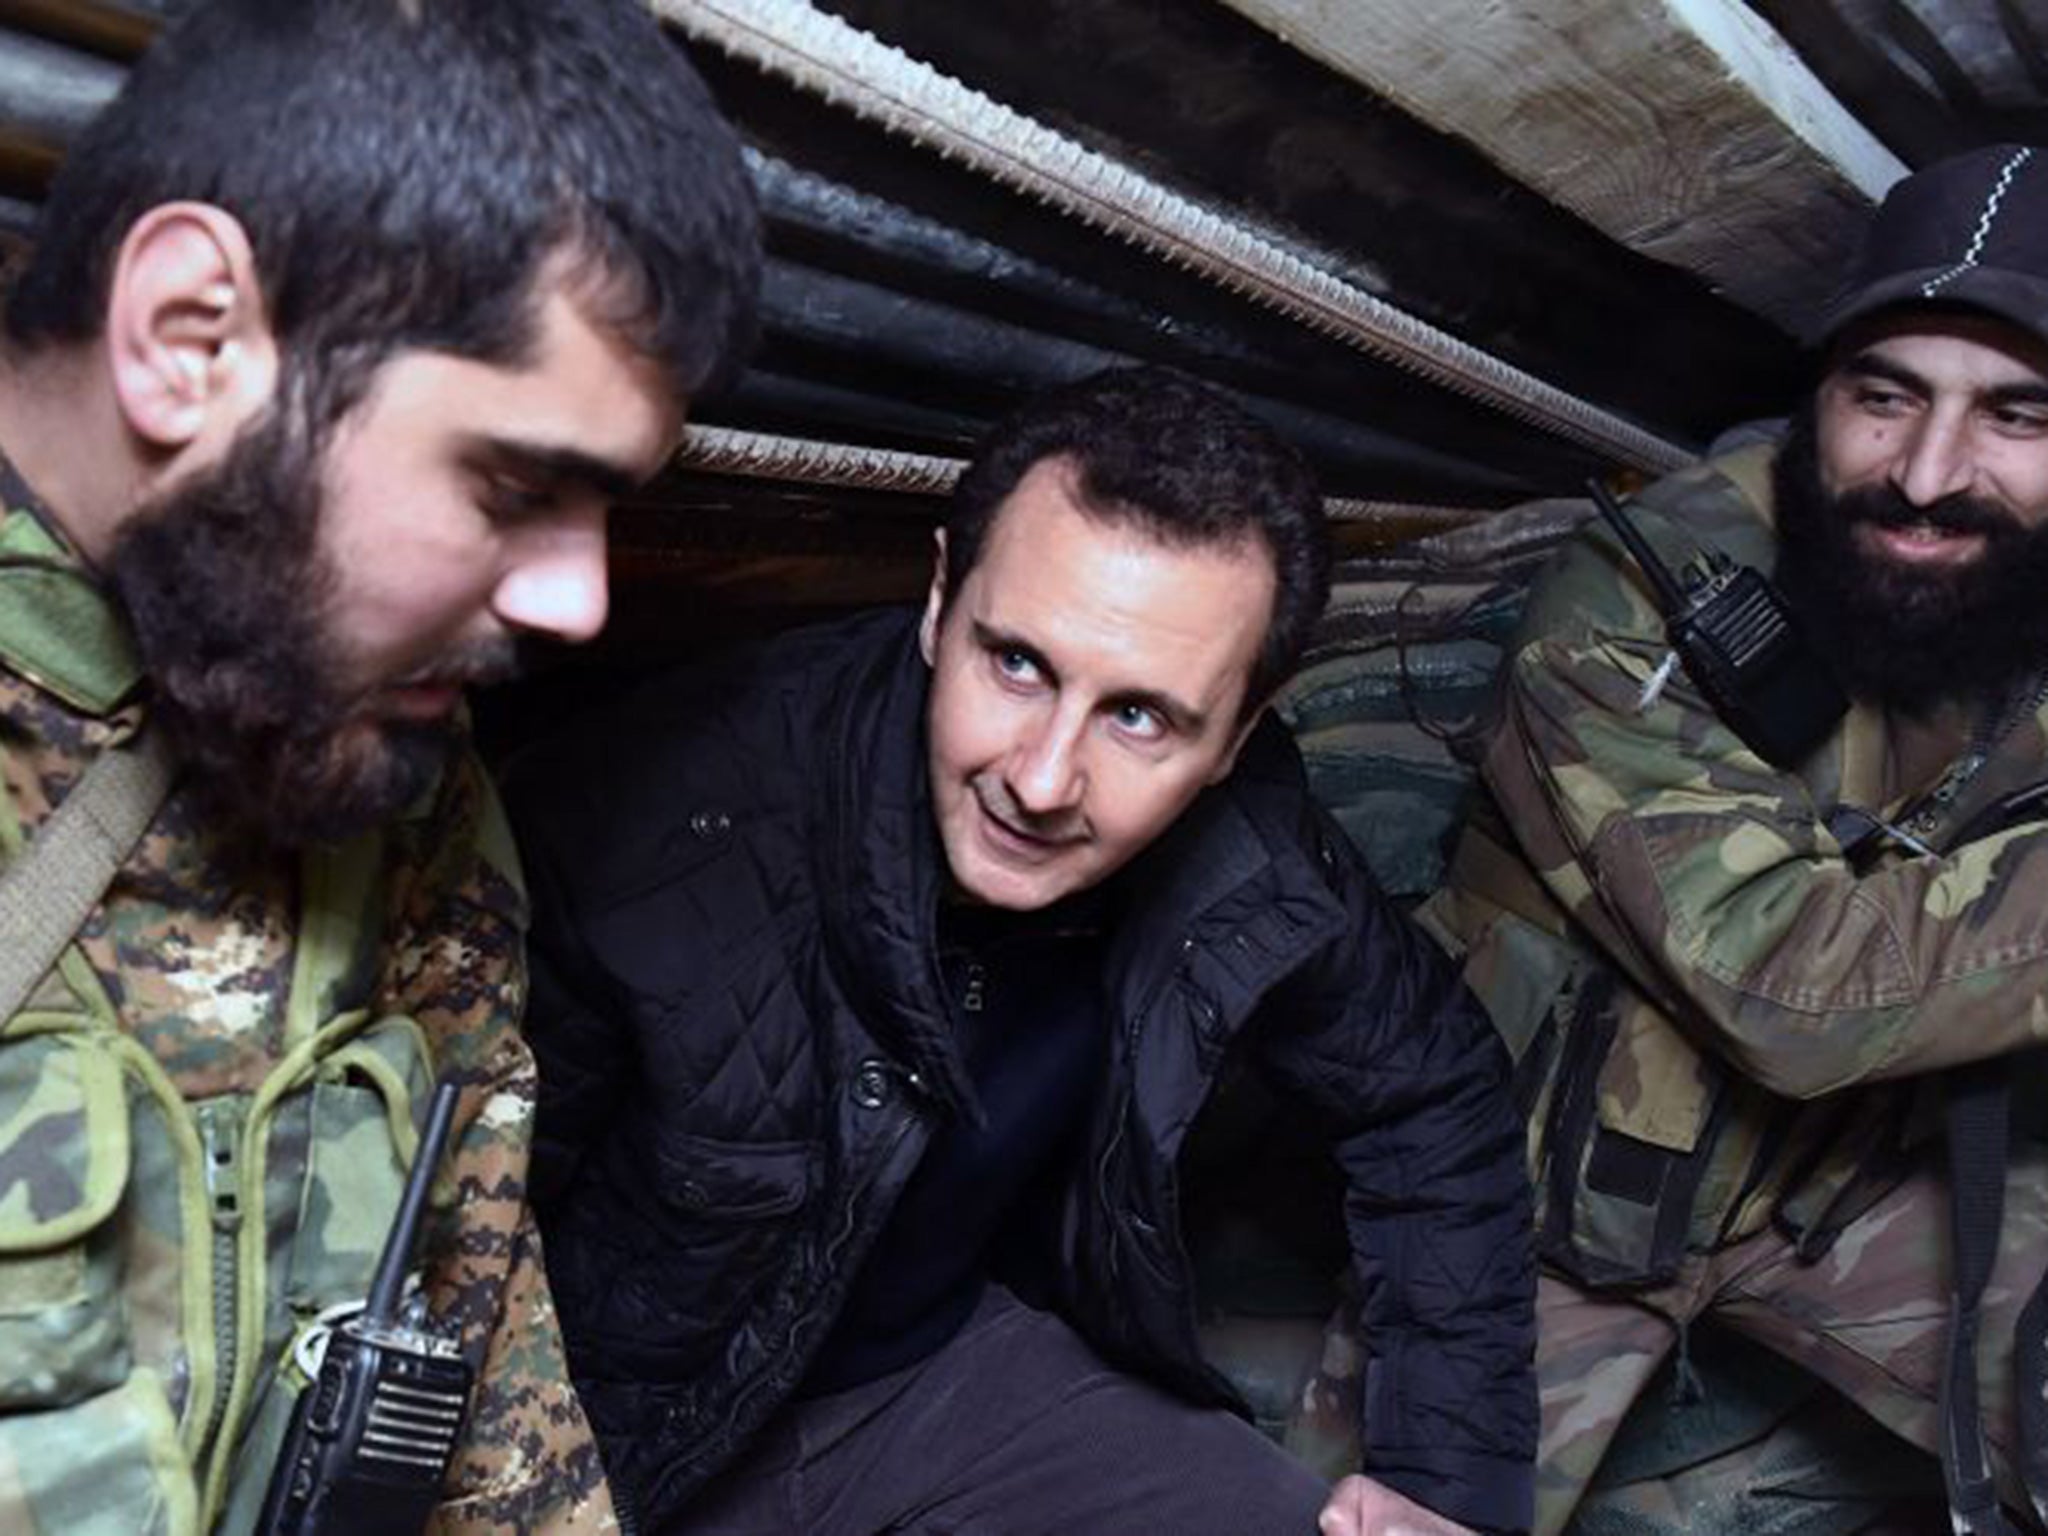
(371, 1437)
(1741, 646)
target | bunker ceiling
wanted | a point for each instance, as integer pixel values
(1463, 252)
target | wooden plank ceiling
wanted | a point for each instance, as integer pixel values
(1464, 252)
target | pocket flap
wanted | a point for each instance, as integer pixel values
(1654, 1086)
(734, 1181)
(63, 1140)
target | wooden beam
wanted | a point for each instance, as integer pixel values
(1685, 129)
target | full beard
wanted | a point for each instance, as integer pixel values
(228, 597)
(1905, 637)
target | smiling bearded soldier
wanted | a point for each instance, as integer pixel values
(879, 976)
(343, 323)
(1746, 994)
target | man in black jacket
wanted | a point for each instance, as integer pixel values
(879, 978)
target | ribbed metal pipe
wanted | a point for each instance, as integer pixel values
(767, 456)
(806, 461)
(827, 57)
(48, 92)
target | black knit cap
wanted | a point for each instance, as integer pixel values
(1970, 231)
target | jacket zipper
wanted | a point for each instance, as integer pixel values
(220, 1127)
(1109, 1218)
(1127, 1090)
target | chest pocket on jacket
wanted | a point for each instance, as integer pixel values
(63, 1167)
(718, 1216)
(91, 1439)
(1629, 1130)
(356, 1130)
(727, 1181)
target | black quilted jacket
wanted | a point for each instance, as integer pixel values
(744, 1046)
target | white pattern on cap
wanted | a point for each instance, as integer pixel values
(1985, 220)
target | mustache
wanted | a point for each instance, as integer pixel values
(477, 664)
(1883, 506)
(1907, 638)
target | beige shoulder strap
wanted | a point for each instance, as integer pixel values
(47, 894)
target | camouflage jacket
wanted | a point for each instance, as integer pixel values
(1721, 1018)
(197, 1109)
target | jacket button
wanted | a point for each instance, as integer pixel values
(710, 826)
(872, 1085)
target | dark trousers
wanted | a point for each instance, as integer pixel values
(1014, 1428)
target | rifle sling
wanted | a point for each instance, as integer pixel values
(51, 889)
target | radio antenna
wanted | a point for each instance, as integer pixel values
(1670, 597)
(382, 1307)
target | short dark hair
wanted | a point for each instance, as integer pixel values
(405, 169)
(1182, 460)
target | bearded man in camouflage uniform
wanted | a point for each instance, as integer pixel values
(343, 326)
(1734, 989)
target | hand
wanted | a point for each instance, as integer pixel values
(1361, 1507)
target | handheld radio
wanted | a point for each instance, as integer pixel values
(371, 1437)
(1741, 646)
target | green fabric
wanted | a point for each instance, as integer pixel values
(57, 627)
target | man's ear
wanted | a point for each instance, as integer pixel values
(188, 339)
(934, 602)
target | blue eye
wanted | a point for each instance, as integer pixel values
(1140, 721)
(1019, 666)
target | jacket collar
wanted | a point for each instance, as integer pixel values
(882, 857)
(1229, 890)
(58, 626)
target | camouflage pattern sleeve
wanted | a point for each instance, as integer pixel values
(455, 962)
(1713, 878)
(531, 1462)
